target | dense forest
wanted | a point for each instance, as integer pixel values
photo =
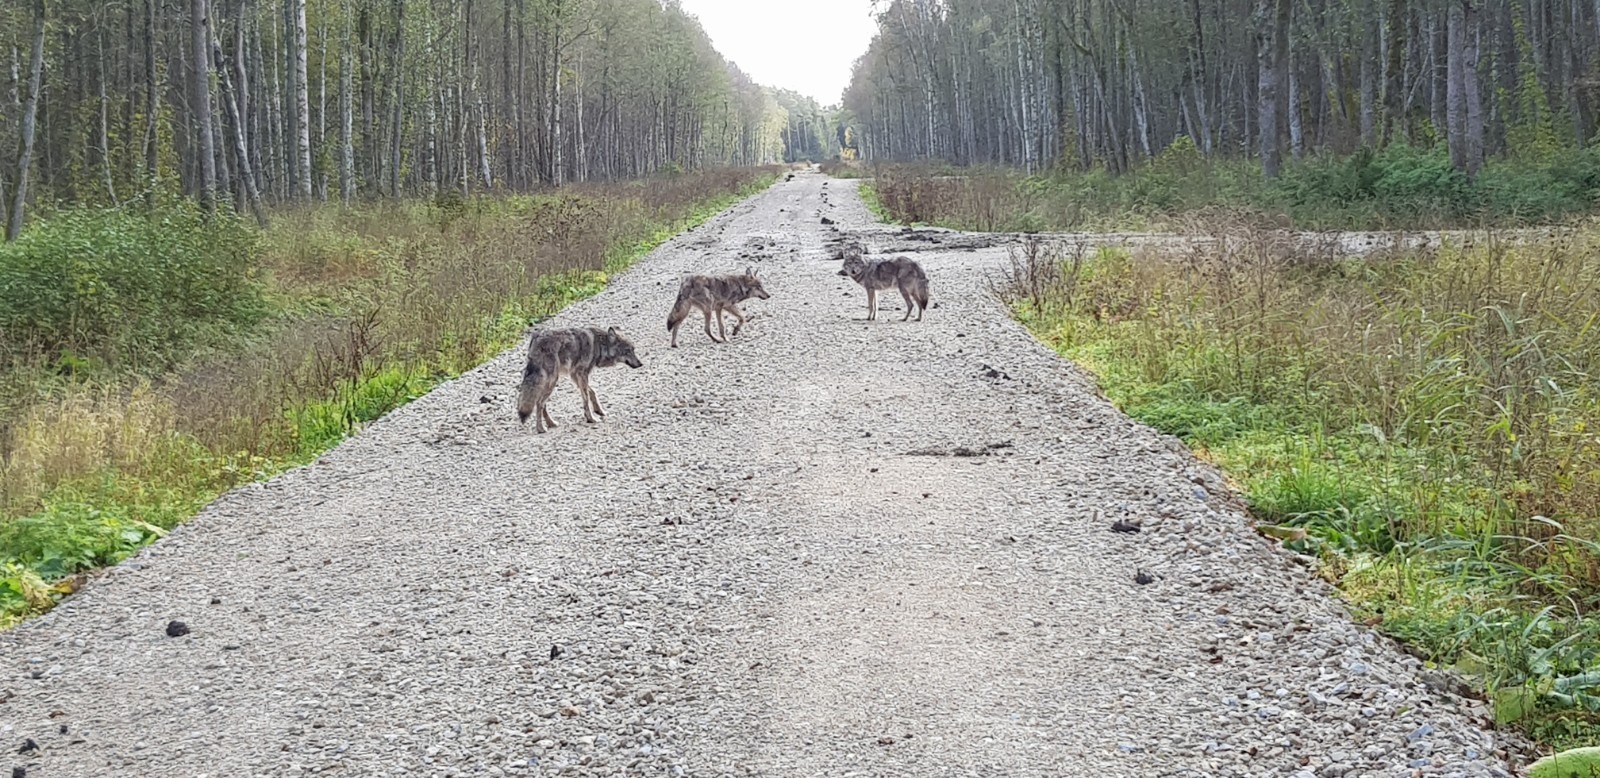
(256, 102)
(1035, 82)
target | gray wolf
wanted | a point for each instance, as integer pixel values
(575, 353)
(712, 295)
(897, 272)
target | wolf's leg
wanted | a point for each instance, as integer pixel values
(872, 304)
(737, 314)
(721, 327)
(906, 293)
(708, 326)
(590, 399)
(542, 419)
(680, 311)
(582, 381)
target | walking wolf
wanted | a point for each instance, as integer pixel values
(712, 295)
(575, 353)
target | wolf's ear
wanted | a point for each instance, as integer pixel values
(750, 270)
(612, 332)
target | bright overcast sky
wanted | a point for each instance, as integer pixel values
(805, 46)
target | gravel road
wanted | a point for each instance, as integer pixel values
(829, 548)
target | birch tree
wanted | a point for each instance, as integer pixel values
(27, 129)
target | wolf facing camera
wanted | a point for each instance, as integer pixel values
(897, 273)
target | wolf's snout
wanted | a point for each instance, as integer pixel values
(634, 362)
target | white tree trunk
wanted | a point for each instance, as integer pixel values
(1296, 129)
(302, 103)
(580, 158)
(30, 113)
(1455, 95)
(322, 103)
(347, 151)
(1141, 113)
(104, 129)
(200, 78)
(396, 99)
(1473, 115)
(231, 104)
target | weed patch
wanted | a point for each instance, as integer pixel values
(1425, 422)
(1399, 187)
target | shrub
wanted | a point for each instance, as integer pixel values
(1398, 187)
(119, 286)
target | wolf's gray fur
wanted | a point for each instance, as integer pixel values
(897, 272)
(575, 353)
(712, 295)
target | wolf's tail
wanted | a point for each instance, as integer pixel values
(527, 392)
(680, 311)
(919, 289)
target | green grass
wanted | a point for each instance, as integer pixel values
(368, 308)
(869, 198)
(1424, 423)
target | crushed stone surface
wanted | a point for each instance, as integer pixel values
(831, 547)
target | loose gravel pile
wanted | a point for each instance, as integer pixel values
(830, 547)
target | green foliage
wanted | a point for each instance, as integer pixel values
(1399, 187)
(320, 424)
(1424, 422)
(874, 203)
(121, 286)
(1575, 763)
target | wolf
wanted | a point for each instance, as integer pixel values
(712, 295)
(899, 272)
(575, 353)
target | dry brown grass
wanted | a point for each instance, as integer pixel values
(402, 292)
(1427, 420)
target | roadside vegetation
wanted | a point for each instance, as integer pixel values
(151, 359)
(1399, 187)
(1425, 422)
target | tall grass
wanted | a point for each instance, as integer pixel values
(1399, 187)
(349, 313)
(1427, 422)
